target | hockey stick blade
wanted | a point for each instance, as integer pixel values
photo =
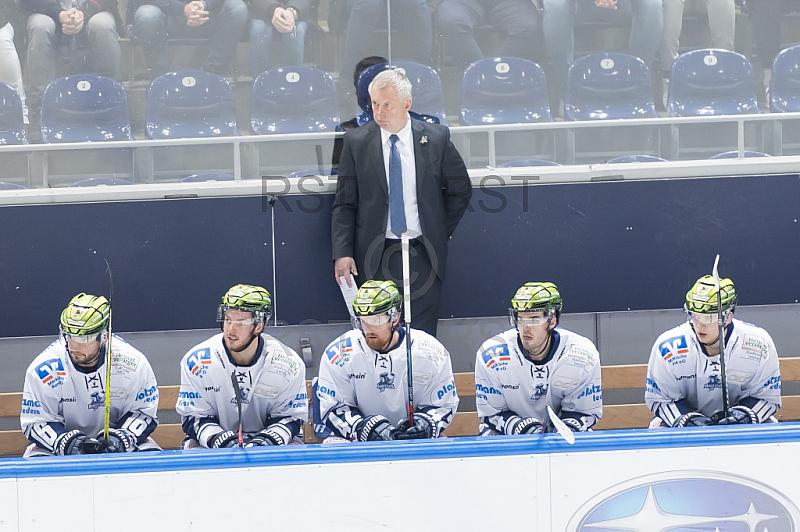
(561, 428)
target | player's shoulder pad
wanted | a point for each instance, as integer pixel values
(284, 360)
(339, 351)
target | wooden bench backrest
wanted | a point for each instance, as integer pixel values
(624, 377)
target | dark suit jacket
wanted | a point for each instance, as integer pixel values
(361, 207)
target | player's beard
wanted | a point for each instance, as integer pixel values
(86, 360)
(379, 343)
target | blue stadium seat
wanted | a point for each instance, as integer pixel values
(12, 127)
(200, 178)
(190, 104)
(784, 88)
(734, 154)
(85, 108)
(504, 90)
(11, 186)
(609, 85)
(528, 162)
(712, 82)
(101, 181)
(294, 100)
(636, 159)
(427, 97)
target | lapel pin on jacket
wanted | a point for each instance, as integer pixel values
(424, 139)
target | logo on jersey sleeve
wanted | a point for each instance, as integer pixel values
(51, 372)
(674, 350)
(496, 357)
(300, 401)
(339, 352)
(199, 361)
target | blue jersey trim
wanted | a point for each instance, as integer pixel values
(199, 459)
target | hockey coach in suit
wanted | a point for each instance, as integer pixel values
(395, 175)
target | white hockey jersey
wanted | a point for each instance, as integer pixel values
(59, 396)
(509, 386)
(681, 378)
(273, 391)
(355, 382)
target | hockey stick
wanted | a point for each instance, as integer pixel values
(560, 427)
(389, 31)
(237, 393)
(107, 415)
(715, 273)
(407, 312)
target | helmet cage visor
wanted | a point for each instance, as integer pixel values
(258, 316)
(516, 321)
(86, 338)
(375, 320)
(706, 318)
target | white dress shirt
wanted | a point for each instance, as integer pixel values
(405, 146)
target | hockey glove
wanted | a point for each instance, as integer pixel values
(76, 442)
(226, 438)
(737, 415)
(420, 430)
(374, 428)
(526, 425)
(264, 438)
(119, 441)
(572, 424)
(693, 419)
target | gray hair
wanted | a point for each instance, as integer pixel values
(395, 77)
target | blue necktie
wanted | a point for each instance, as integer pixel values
(397, 206)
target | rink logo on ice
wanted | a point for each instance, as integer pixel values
(199, 361)
(684, 500)
(674, 350)
(496, 357)
(51, 372)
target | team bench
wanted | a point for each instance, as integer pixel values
(623, 416)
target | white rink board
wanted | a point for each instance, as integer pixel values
(535, 483)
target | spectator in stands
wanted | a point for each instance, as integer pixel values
(63, 400)
(277, 33)
(518, 21)
(721, 21)
(363, 378)
(10, 68)
(68, 37)
(411, 17)
(536, 364)
(684, 376)
(222, 21)
(646, 22)
(765, 16)
(242, 387)
(353, 122)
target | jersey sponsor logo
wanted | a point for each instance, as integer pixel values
(356, 375)
(687, 500)
(486, 390)
(300, 401)
(286, 361)
(421, 377)
(51, 372)
(449, 388)
(740, 377)
(594, 391)
(124, 359)
(582, 352)
(149, 394)
(214, 389)
(326, 390)
(385, 381)
(270, 392)
(565, 383)
(496, 357)
(339, 352)
(714, 382)
(651, 386)
(198, 361)
(755, 344)
(433, 347)
(674, 350)
(773, 383)
(31, 403)
(30, 406)
(539, 392)
(68, 400)
(685, 377)
(186, 398)
(96, 401)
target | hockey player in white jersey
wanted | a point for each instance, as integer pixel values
(684, 383)
(536, 363)
(63, 402)
(270, 376)
(363, 377)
